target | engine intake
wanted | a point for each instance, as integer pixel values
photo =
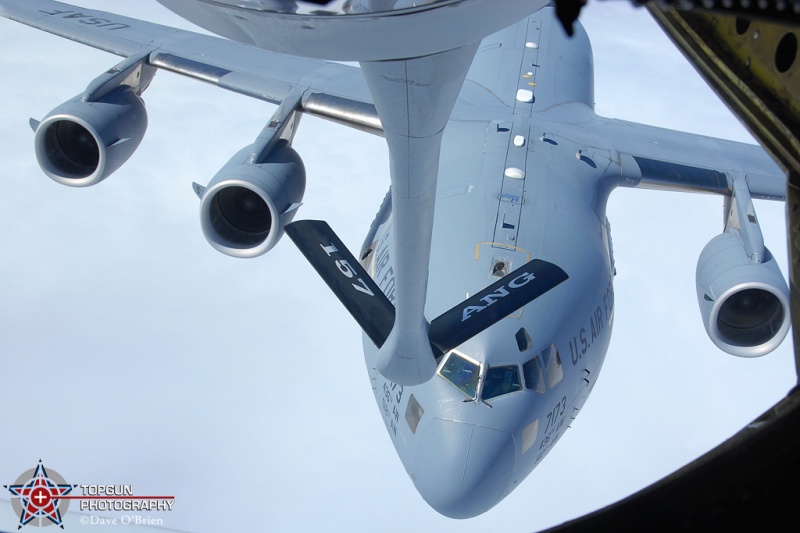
(81, 143)
(245, 207)
(744, 303)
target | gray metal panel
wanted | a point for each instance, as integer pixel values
(512, 194)
(233, 66)
(519, 58)
(426, 28)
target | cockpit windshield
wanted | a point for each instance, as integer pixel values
(462, 373)
(467, 374)
(501, 380)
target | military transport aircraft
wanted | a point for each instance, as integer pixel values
(485, 289)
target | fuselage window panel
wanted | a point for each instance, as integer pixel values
(534, 375)
(552, 365)
(414, 412)
(462, 373)
(524, 341)
(501, 380)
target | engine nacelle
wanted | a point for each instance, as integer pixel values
(245, 207)
(744, 303)
(81, 143)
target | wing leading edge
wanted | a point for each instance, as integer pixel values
(330, 90)
(551, 83)
(657, 158)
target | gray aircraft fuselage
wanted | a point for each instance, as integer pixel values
(511, 188)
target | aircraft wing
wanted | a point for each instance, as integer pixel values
(657, 158)
(329, 90)
(639, 155)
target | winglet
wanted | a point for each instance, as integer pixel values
(345, 276)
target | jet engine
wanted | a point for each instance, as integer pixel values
(744, 301)
(81, 142)
(245, 207)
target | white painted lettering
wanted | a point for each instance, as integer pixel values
(469, 310)
(489, 299)
(526, 278)
(330, 249)
(345, 268)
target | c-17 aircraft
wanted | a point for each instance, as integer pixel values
(488, 402)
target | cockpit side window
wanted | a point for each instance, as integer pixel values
(462, 373)
(501, 380)
(552, 365)
(534, 375)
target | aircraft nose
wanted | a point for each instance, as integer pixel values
(463, 469)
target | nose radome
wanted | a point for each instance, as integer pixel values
(463, 470)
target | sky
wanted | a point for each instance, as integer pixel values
(133, 353)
